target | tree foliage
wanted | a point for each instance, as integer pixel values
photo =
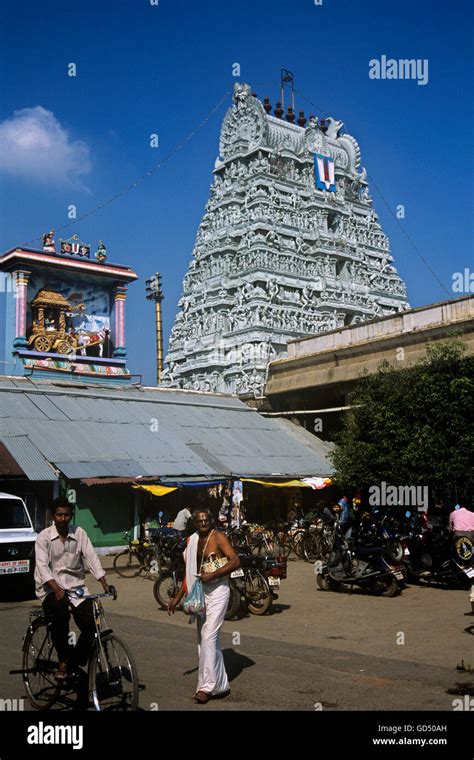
(412, 426)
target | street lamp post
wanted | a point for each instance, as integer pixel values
(154, 293)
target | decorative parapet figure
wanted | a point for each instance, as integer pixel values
(101, 252)
(49, 244)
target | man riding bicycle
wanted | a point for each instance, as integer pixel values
(63, 554)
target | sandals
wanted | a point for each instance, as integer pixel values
(203, 696)
(62, 673)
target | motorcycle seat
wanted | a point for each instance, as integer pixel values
(369, 551)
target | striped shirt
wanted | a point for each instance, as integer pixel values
(65, 561)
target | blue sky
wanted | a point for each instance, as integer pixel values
(144, 69)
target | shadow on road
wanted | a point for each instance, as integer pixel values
(276, 609)
(463, 689)
(235, 663)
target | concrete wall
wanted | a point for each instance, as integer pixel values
(449, 313)
(342, 356)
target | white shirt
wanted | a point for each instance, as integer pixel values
(65, 562)
(182, 519)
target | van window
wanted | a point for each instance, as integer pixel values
(13, 514)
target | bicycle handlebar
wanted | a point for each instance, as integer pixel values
(79, 594)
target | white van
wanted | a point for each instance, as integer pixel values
(17, 539)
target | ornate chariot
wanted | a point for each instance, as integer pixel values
(50, 331)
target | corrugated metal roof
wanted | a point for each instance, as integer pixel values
(47, 406)
(89, 432)
(29, 458)
(77, 470)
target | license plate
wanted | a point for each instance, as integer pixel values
(237, 573)
(274, 581)
(398, 576)
(470, 572)
(15, 566)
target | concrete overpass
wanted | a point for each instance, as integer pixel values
(321, 370)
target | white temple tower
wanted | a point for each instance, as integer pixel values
(289, 246)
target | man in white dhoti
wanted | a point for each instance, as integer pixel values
(209, 555)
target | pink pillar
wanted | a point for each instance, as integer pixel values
(20, 285)
(119, 337)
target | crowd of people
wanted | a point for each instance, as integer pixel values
(64, 553)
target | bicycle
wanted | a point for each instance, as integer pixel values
(318, 541)
(261, 542)
(290, 538)
(111, 676)
(139, 556)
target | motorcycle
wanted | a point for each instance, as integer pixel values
(168, 543)
(361, 562)
(171, 546)
(255, 581)
(436, 557)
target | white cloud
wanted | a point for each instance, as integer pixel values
(35, 146)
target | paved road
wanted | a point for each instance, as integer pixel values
(317, 650)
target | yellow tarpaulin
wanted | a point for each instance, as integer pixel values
(315, 483)
(158, 490)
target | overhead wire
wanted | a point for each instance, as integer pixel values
(179, 146)
(392, 213)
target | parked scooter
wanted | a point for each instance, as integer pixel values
(362, 563)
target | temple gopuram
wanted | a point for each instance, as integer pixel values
(289, 246)
(62, 313)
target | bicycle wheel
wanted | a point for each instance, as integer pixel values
(233, 608)
(257, 593)
(267, 547)
(311, 549)
(153, 564)
(113, 677)
(165, 588)
(127, 564)
(39, 666)
(298, 539)
(283, 544)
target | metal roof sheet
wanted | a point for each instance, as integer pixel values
(99, 432)
(77, 470)
(31, 461)
(48, 406)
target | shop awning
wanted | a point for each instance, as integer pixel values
(157, 490)
(314, 483)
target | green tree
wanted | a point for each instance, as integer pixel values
(412, 426)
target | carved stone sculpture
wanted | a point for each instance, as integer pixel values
(266, 266)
